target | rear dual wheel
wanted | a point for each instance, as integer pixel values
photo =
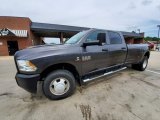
(142, 65)
(59, 84)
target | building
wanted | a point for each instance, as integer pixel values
(17, 33)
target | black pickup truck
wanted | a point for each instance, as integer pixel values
(84, 57)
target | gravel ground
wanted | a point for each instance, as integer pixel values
(126, 95)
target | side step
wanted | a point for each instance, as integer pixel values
(108, 73)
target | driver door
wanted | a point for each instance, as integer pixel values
(93, 57)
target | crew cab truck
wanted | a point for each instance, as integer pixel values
(84, 57)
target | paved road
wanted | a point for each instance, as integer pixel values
(127, 95)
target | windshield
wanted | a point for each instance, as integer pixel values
(75, 38)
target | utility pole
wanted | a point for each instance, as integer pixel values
(158, 30)
(158, 33)
(158, 36)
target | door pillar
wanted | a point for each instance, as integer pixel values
(61, 37)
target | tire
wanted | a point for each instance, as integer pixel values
(142, 65)
(59, 84)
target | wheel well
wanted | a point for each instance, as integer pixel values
(147, 54)
(65, 66)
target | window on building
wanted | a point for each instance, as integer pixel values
(115, 38)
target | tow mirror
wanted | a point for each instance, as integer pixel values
(101, 37)
(90, 43)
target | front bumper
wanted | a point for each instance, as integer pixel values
(28, 82)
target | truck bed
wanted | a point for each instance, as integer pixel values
(135, 45)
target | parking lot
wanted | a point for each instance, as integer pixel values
(126, 95)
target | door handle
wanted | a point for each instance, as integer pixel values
(123, 48)
(105, 50)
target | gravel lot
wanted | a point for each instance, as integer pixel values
(126, 95)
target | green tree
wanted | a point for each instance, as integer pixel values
(151, 38)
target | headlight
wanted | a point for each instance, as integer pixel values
(25, 65)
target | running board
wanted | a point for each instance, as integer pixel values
(108, 73)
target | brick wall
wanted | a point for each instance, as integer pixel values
(3, 47)
(16, 23)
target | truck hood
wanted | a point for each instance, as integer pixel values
(39, 51)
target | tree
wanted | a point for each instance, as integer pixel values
(151, 38)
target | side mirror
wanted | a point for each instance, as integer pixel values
(96, 42)
(101, 37)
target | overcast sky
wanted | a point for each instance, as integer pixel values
(126, 15)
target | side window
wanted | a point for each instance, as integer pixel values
(115, 38)
(97, 36)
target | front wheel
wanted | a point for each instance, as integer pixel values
(142, 65)
(59, 84)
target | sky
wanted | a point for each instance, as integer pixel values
(123, 15)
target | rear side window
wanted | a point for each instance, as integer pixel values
(115, 38)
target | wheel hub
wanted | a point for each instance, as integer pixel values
(145, 63)
(59, 86)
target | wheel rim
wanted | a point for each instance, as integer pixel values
(59, 86)
(145, 63)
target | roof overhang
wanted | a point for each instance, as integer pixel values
(132, 35)
(54, 30)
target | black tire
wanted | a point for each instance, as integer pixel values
(52, 81)
(142, 65)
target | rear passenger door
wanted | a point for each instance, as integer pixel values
(117, 48)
